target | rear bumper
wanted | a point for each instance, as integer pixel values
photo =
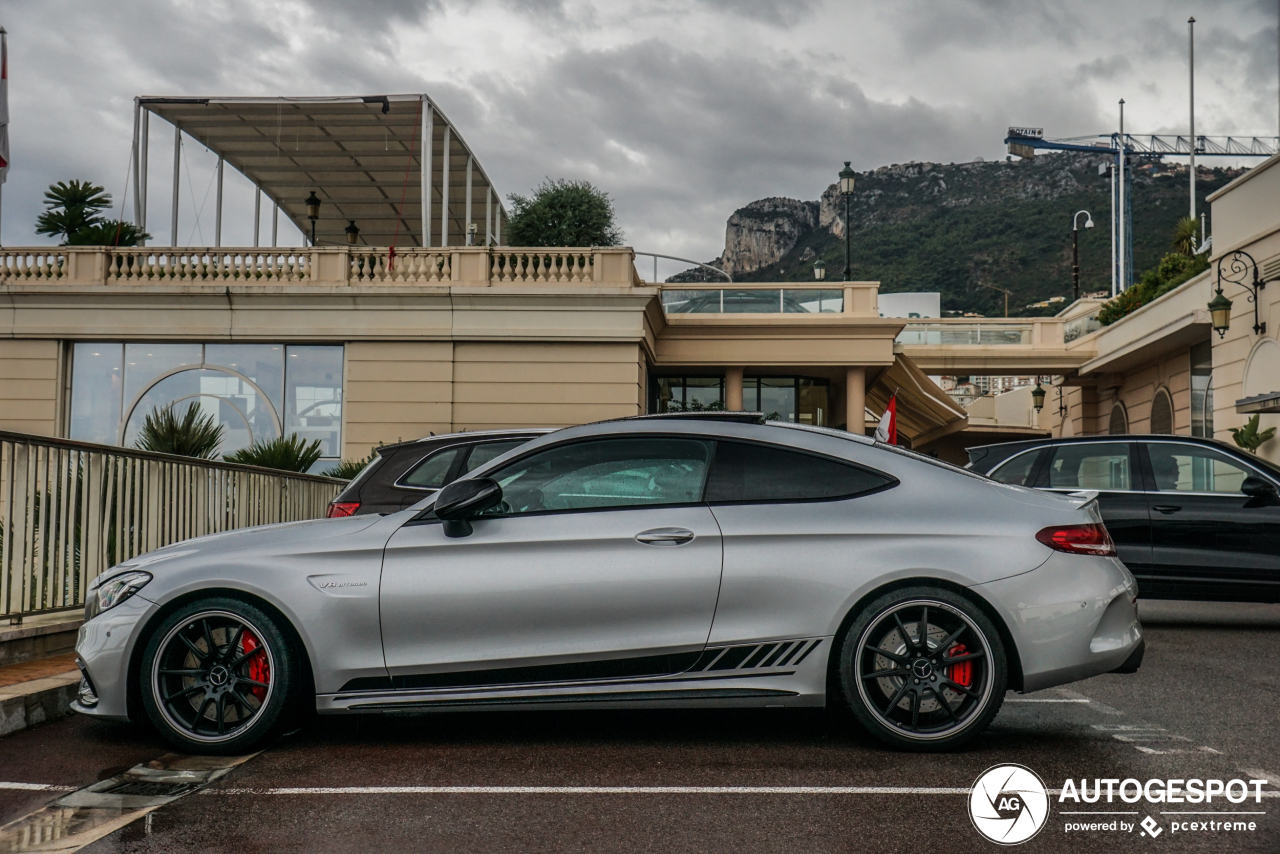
(1072, 618)
(1134, 661)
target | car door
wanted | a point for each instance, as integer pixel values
(1110, 468)
(1209, 540)
(600, 562)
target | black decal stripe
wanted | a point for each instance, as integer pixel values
(805, 654)
(777, 653)
(614, 668)
(760, 654)
(625, 696)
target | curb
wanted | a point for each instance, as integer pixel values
(29, 703)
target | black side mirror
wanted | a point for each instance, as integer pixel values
(463, 500)
(1255, 487)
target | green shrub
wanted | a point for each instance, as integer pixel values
(195, 434)
(286, 453)
(348, 469)
(1173, 270)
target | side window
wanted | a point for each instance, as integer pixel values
(745, 473)
(1017, 470)
(1092, 465)
(624, 472)
(489, 451)
(1186, 468)
(431, 472)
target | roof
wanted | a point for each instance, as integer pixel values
(362, 155)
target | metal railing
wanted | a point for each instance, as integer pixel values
(753, 301)
(70, 510)
(987, 334)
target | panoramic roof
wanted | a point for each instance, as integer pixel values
(361, 155)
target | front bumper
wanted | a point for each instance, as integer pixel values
(1072, 618)
(104, 648)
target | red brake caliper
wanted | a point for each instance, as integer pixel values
(259, 668)
(962, 673)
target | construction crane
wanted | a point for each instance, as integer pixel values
(1124, 148)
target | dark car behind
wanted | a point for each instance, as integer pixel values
(403, 474)
(1192, 518)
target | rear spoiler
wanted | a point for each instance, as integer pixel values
(1083, 498)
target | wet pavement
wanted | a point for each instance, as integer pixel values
(1205, 705)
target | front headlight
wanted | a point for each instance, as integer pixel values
(107, 594)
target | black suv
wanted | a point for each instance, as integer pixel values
(407, 472)
(1191, 518)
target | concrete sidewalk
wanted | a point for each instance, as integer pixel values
(37, 691)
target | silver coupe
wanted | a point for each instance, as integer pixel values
(655, 562)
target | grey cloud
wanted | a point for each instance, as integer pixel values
(782, 13)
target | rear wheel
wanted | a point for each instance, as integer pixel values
(923, 669)
(217, 677)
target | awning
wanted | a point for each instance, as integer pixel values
(361, 155)
(925, 411)
(1259, 403)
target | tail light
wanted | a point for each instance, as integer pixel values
(338, 509)
(1090, 539)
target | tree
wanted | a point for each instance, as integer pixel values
(71, 206)
(108, 232)
(287, 453)
(1249, 437)
(195, 434)
(563, 213)
(1186, 237)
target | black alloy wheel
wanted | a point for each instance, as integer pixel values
(924, 669)
(217, 676)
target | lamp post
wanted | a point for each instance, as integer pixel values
(1238, 264)
(313, 213)
(819, 270)
(353, 233)
(847, 179)
(1037, 396)
(1075, 249)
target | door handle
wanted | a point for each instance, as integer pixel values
(664, 537)
(1166, 508)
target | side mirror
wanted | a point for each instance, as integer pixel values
(1256, 487)
(463, 500)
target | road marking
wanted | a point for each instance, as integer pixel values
(1151, 750)
(85, 815)
(592, 790)
(1259, 774)
(1046, 700)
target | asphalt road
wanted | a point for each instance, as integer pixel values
(1205, 705)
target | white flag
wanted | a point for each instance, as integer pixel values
(4, 105)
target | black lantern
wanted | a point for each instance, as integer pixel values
(313, 213)
(353, 233)
(819, 270)
(1037, 396)
(847, 180)
(1220, 311)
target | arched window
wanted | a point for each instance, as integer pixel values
(1119, 420)
(1162, 413)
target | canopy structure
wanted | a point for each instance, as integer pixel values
(925, 411)
(362, 156)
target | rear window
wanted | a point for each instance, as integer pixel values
(1091, 465)
(431, 472)
(1018, 470)
(744, 472)
(489, 451)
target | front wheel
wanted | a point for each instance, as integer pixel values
(217, 677)
(923, 669)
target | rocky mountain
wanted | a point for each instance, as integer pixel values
(954, 228)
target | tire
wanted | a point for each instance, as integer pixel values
(929, 699)
(229, 702)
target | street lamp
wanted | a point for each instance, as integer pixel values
(313, 213)
(353, 233)
(1237, 274)
(819, 270)
(1220, 311)
(1037, 396)
(847, 179)
(1075, 248)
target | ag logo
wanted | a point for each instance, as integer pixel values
(1008, 804)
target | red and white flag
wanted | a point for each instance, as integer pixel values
(4, 105)
(887, 430)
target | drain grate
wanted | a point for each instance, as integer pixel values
(145, 789)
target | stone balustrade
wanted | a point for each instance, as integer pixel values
(326, 266)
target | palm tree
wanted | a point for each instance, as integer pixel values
(1186, 237)
(287, 453)
(107, 232)
(70, 207)
(195, 434)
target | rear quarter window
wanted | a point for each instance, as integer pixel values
(748, 473)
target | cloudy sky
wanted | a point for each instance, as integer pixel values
(683, 110)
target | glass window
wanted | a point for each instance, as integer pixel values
(313, 396)
(688, 394)
(261, 363)
(1186, 468)
(431, 472)
(144, 362)
(1202, 390)
(489, 451)
(1100, 465)
(97, 378)
(746, 473)
(630, 472)
(1017, 471)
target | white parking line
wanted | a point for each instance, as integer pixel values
(36, 787)
(1047, 700)
(592, 790)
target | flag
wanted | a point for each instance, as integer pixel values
(4, 105)
(887, 430)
